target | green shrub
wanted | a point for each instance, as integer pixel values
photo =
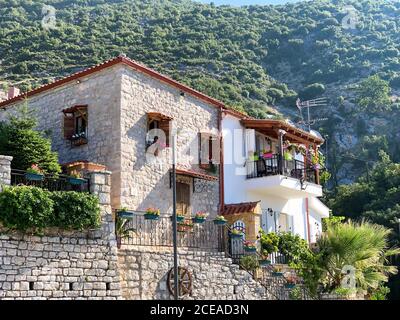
(75, 211)
(249, 263)
(23, 208)
(269, 242)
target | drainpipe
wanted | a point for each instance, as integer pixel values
(221, 166)
(281, 163)
(308, 221)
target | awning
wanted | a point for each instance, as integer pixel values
(318, 207)
(238, 208)
(194, 174)
(271, 127)
(81, 108)
(158, 116)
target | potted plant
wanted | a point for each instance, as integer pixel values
(34, 173)
(76, 179)
(220, 221)
(185, 226)
(200, 217)
(265, 261)
(179, 217)
(277, 271)
(250, 246)
(152, 214)
(236, 234)
(124, 213)
(255, 157)
(122, 231)
(291, 281)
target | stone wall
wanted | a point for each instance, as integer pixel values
(34, 267)
(118, 100)
(145, 181)
(62, 265)
(5, 171)
(101, 91)
(144, 273)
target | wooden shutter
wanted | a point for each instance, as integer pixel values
(165, 125)
(204, 154)
(183, 198)
(215, 149)
(69, 125)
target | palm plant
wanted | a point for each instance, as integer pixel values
(121, 230)
(363, 246)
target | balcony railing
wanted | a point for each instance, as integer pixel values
(49, 182)
(205, 236)
(276, 165)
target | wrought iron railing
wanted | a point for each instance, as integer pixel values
(205, 236)
(276, 165)
(50, 182)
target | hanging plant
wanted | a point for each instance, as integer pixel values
(152, 214)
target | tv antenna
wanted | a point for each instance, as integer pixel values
(320, 102)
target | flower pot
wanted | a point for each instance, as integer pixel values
(34, 176)
(290, 285)
(265, 262)
(220, 222)
(76, 181)
(125, 214)
(268, 155)
(236, 236)
(151, 216)
(251, 250)
(199, 220)
(277, 274)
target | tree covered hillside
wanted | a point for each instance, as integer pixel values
(251, 57)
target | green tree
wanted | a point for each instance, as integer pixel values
(373, 94)
(26, 145)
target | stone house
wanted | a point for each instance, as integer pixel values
(110, 114)
(122, 114)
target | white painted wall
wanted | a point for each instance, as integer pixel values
(237, 192)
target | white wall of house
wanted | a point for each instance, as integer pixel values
(288, 208)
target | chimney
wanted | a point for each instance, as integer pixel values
(13, 92)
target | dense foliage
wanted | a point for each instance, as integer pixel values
(27, 146)
(32, 209)
(23, 208)
(75, 210)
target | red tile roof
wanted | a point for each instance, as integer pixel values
(195, 174)
(237, 208)
(131, 63)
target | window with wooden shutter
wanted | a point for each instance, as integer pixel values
(158, 129)
(209, 149)
(76, 124)
(183, 199)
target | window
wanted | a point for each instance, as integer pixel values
(158, 129)
(76, 125)
(209, 149)
(183, 199)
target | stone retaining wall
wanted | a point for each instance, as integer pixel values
(34, 267)
(144, 273)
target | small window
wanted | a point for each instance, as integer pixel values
(76, 125)
(209, 149)
(158, 132)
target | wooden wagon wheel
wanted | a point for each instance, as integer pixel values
(184, 281)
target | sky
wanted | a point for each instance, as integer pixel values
(246, 2)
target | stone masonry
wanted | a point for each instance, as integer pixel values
(144, 273)
(5, 171)
(62, 265)
(118, 100)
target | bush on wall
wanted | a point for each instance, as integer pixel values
(23, 208)
(74, 210)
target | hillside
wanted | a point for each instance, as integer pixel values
(250, 57)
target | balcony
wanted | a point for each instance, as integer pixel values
(287, 178)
